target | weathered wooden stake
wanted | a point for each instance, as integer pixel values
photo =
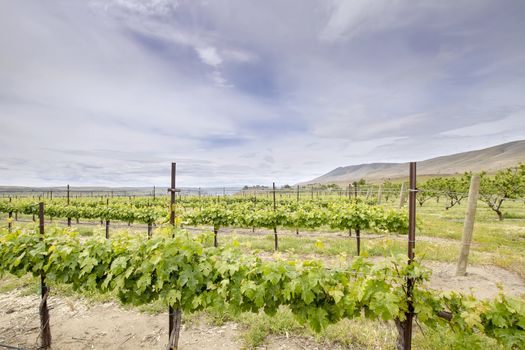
(402, 195)
(379, 194)
(468, 226)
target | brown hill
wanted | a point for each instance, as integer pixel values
(489, 159)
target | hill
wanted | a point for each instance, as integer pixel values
(489, 159)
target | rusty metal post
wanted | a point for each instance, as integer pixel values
(175, 315)
(276, 245)
(358, 240)
(45, 330)
(172, 193)
(10, 214)
(407, 343)
(107, 221)
(297, 228)
(68, 219)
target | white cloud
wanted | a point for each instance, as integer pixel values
(350, 18)
(512, 122)
(209, 56)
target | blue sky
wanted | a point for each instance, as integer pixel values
(109, 92)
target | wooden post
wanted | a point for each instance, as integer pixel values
(402, 195)
(379, 194)
(175, 314)
(276, 245)
(45, 330)
(468, 226)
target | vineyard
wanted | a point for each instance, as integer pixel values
(190, 273)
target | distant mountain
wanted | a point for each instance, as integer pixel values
(490, 159)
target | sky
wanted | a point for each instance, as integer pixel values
(110, 92)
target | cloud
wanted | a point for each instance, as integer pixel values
(111, 92)
(209, 56)
(514, 121)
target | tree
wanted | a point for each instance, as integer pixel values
(506, 184)
(390, 188)
(455, 189)
(425, 193)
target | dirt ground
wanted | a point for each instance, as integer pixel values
(76, 324)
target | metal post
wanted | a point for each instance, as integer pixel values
(44, 311)
(172, 192)
(411, 247)
(297, 228)
(175, 315)
(10, 214)
(68, 219)
(275, 226)
(107, 221)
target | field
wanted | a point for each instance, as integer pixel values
(496, 266)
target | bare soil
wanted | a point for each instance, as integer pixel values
(76, 324)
